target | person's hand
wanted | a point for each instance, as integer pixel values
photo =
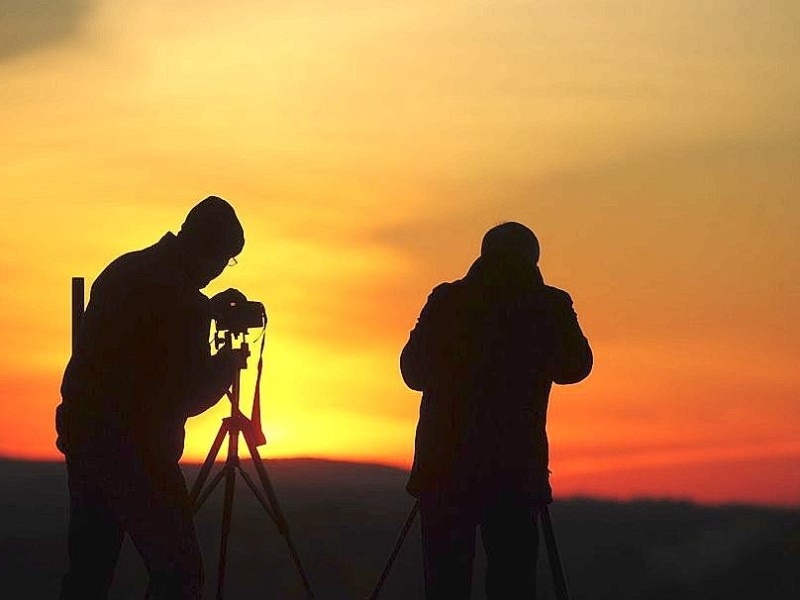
(225, 299)
(230, 359)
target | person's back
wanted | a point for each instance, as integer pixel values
(485, 352)
(141, 355)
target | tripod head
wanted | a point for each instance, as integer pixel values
(237, 345)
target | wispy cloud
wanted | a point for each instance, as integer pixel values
(30, 25)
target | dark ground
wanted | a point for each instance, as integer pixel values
(345, 518)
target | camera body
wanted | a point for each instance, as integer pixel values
(238, 317)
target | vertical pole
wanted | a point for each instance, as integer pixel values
(231, 462)
(233, 432)
(227, 513)
(77, 309)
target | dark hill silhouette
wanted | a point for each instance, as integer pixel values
(345, 518)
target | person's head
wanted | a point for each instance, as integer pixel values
(510, 241)
(210, 236)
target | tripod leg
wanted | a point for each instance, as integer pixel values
(400, 538)
(559, 581)
(230, 486)
(197, 486)
(207, 491)
(256, 492)
(277, 513)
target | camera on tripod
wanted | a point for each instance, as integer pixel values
(238, 317)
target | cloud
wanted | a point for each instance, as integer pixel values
(30, 25)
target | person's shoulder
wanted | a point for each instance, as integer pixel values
(139, 274)
(557, 294)
(445, 290)
(442, 297)
(442, 288)
(115, 277)
(129, 263)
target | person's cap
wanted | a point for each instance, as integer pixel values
(213, 229)
(510, 239)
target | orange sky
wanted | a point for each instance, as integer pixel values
(367, 146)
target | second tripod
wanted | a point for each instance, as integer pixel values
(234, 427)
(559, 581)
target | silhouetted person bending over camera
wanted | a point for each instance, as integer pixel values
(141, 367)
(485, 352)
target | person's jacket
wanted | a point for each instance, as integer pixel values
(143, 364)
(484, 353)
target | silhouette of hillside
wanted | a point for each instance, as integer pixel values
(345, 517)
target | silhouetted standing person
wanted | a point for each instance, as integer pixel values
(141, 367)
(485, 352)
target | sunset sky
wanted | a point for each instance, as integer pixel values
(653, 147)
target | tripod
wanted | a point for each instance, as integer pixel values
(559, 581)
(235, 426)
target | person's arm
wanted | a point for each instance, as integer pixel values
(417, 357)
(188, 379)
(572, 355)
(211, 384)
(212, 375)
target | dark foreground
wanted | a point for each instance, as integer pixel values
(345, 518)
